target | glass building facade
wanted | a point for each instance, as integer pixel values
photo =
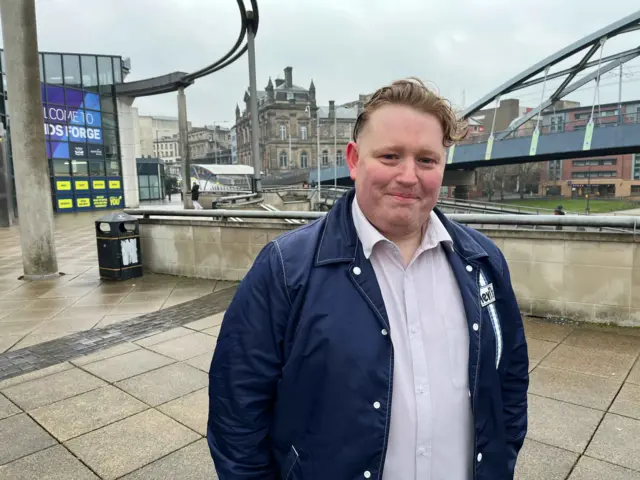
(81, 129)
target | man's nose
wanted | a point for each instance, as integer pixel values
(407, 174)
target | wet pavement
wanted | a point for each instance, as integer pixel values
(124, 395)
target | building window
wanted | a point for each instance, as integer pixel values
(636, 166)
(89, 71)
(283, 132)
(339, 158)
(71, 65)
(304, 160)
(325, 157)
(303, 132)
(597, 162)
(105, 70)
(53, 69)
(283, 159)
(595, 174)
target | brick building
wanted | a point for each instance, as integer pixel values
(602, 176)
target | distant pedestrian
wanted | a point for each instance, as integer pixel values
(167, 187)
(195, 195)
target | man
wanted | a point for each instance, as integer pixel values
(195, 195)
(383, 341)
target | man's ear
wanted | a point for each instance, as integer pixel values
(352, 159)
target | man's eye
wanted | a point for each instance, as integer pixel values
(389, 156)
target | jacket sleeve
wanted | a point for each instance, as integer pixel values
(516, 381)
(245, 370)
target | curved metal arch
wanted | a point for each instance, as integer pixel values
(624, 25)
(171, 82)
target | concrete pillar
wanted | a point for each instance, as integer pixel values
(183, 127)
(461, 192)
(7, 215)
(128, 152)
(31, 168)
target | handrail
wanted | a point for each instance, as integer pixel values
(599, 221)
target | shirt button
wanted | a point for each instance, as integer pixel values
(479, 457)
(414, 330)
(420, 389)
(421, 451)
(475, 327)
(469, 268)
(367, 474)
(357, 271)
(376, 405)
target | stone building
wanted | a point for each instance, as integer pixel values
(288, 116)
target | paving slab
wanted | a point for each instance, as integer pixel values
(538, 349)
(543, 330)
(21, 436)
(213, 331)
(55, 463)
(189, 463)
(560, 424)
(164, 336)
(634, 375)
(592, 469)
(127, 365)
(78, 415)
(603, 340)
(191, 410)
(538, 461)
(201, 362)
(186, 347)
(127, 445)
(53, 388)
(627, 403)
(165, 384)
(572, 387)
(106, 353)
(207, 322)
(601, 363)
(27, 377)
(616, 441)
(7, 408)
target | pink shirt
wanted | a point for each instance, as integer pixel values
(431, 431)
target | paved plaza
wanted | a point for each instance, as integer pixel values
(109, 379)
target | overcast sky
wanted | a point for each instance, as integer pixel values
(347, 46)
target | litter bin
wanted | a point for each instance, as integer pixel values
(119, 255)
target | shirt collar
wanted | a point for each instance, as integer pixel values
(369, 236)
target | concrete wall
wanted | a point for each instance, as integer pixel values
(223, 251)
(582, 276)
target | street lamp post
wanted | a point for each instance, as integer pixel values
(587, 208)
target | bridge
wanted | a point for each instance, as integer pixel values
(534, 136)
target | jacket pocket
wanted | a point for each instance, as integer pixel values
(290, 468)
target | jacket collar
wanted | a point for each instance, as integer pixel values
(339, 240)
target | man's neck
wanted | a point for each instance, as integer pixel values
(408, 242)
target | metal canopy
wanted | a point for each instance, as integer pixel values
(171, 82)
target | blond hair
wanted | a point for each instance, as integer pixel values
(412, 92)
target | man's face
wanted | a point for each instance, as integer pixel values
(397, 165)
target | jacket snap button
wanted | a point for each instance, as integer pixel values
(469, 268)
(367, 474)
(479, 457)
(475, 327)
(384, 331)
(376, 405)
(357, 271)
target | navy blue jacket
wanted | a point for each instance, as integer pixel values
(305, 346)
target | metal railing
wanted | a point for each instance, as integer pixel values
(627, 224)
